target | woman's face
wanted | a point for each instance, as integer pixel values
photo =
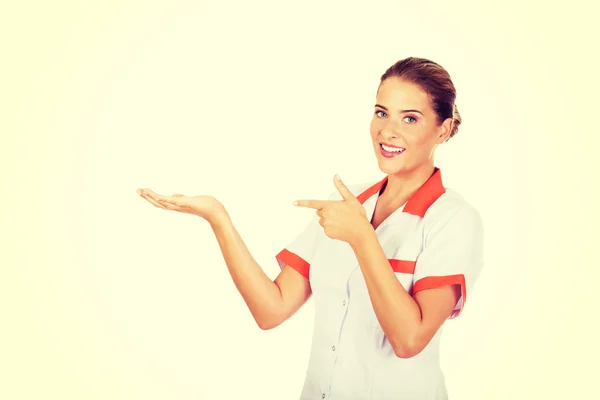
(404, 127)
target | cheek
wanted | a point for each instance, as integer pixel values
(421, 142)
(374, 129)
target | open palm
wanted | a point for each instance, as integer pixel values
(202, 206)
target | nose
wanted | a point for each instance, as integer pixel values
(389, 131)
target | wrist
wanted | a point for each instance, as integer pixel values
(363, 235)
(219, 217)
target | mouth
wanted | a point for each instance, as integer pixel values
(390, 151)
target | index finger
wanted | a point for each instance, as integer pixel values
(316, 204)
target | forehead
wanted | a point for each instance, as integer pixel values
(395, 93)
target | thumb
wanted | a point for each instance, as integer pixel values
(343, 190)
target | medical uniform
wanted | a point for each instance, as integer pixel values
(435, 239)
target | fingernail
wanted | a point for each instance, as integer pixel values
(295, 203)
(139, 191)
(337, 177)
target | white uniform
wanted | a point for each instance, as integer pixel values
(435, 239)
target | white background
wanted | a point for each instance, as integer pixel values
(260, 103)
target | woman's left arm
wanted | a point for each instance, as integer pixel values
(408, 323)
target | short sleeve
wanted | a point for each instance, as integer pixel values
(452, 254)
(300, 252)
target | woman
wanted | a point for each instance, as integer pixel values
(387, 262)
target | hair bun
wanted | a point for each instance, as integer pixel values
(456, 123)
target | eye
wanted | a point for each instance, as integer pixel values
(380, 114)
(410, 119)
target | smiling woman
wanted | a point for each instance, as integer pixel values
(415, 98)
(388, 262)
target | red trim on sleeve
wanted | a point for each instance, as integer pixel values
(433, 282)
(294, 261)
(403, 266)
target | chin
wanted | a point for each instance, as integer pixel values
(391, 168)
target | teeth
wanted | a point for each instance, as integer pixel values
(393, 149)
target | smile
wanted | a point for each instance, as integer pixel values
(389, 151)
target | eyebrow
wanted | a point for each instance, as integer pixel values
(401, 111)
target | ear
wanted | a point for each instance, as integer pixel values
(444, 130)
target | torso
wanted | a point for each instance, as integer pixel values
(379, 215)
(351, 356)
(382, 211)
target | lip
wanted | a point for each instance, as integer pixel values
(389, 154)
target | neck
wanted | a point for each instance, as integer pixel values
(401, 186)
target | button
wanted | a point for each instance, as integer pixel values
(323, 396)
(344, 302)
(333, 348)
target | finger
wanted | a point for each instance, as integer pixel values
(152, 201)
(316, 204)
(178, 200)
(320, 212)
(174, 207)
(162, 204)
(149, 193)
(343, 189)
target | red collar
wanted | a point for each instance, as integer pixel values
(420, 201)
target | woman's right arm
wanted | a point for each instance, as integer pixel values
(270, 302)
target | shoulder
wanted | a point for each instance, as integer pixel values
(453, 210)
